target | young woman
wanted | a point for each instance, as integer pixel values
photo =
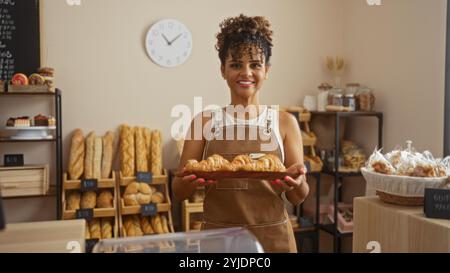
(245, 47)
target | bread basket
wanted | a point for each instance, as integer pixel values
(401, 190)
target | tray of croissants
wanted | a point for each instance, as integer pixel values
(216, 167)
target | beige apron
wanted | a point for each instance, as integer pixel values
(249, 203)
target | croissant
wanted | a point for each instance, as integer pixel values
(267, 163)
(211, 164)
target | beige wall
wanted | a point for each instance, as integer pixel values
(399, 50)
(107, 79)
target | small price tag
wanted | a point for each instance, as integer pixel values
(306, 222)
(90, 243)
(13, 160)
(437, 203)
(87, 214)
(149, 209)
(144, 177)
(89, 185)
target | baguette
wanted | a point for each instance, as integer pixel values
(76, 158)
(97, 162)
(108, 152)
(127, 151)
(89, 159)
(141, 150)
(156, 149)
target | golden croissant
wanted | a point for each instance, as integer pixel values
(267, 163)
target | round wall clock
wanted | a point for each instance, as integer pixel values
(168, 43)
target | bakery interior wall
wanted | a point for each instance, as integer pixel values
(107, 79)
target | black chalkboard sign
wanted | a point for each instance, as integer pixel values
(149, 209)
(144, 177)
(87, 214)
(437, 203)
(2, 215)
(13, 160)
(89, 185)
(19, 37)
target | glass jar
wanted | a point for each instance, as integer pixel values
(338, 100)
(365, 100)
(352, 88)
(350, 102)
(335, 95)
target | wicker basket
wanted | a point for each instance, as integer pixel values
(401, 190)
(401, 200)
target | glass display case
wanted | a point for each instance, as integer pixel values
(229, 240)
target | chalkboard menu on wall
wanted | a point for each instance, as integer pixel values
(19, 37)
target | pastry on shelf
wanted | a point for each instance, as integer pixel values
(137, 194)
(36, 79)
(40, 120)
(19, 79)
(11, 122)
(22, 122)
(51, 121)
(105, 200)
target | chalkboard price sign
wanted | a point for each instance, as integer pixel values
(13, 160)
(19, 37)
(149, 210)
(87, 214)
(144, 177)
(437, 203)
(89, 185)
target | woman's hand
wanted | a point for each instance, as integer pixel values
(198, 181)
(289, 183)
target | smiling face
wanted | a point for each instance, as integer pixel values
(245, 76)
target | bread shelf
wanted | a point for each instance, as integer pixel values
(101, 183)
(156, 179)
(123, 231)
(133, 210)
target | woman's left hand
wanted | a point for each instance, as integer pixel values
(289, 183)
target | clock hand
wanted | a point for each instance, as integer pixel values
(176, 38)
(165, 38)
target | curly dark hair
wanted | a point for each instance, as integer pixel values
(243, 34)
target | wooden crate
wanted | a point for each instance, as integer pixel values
(123, 232)
(162, 207)
(157, 179)
(189, 208)
(29, 89)
(90, 243)
(24, 181)
(74, 185)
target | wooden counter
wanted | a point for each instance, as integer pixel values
(397, 228)
(53, 237)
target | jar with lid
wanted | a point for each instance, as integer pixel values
(365, 100)
(335, 97)
(322, 98)
(338, 100)
(350, 102)
(352, 88)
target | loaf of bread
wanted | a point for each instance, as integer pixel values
(76, 157)
(137, 194)
(156, 149)
(105, 200)
(106, 228)
(156, 224)
(97, 162)
(95, 229)
(165, 224)
(148, 147)
(88, 200)
(108, 152)
(87, 232)
(89, 158)
(132, 226)
(73, 201)
(146, 226)
(141, 150)
(158, 197)
(127, 151)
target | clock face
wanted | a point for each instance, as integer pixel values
(169, 43)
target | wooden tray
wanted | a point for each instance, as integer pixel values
(240, 174)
